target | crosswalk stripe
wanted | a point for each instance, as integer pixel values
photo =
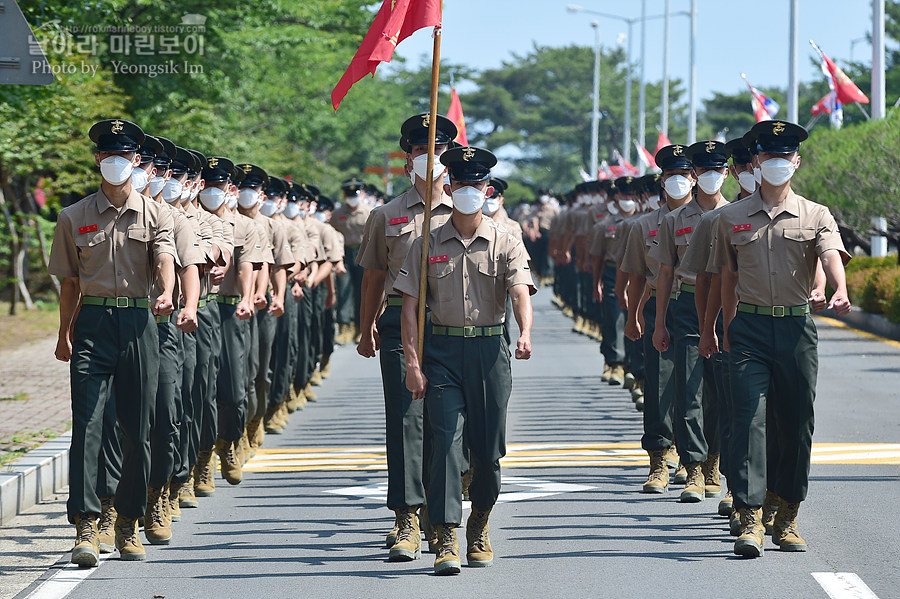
(542, 456)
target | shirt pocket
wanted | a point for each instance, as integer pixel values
(440, 281)
(89, 240)
(140, 234)
(799, 243)
(747, 246)
(494, 274)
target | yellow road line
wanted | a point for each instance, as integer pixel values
(843, 325)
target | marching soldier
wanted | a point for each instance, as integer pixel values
(769, 244)
(465, 379)
(350, 220)
(107, 248)
(390, 232)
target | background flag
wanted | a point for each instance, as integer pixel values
(396, 20)
(604, 172)
(455, 114)
(662, 142)
(625, 168)
(845, 88)
(645, 157)
(764, 107)
(584, 175)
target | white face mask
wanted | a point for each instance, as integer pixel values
(268, 207)
(678, 186)
(195, 192)
(544, 199)
(248, 198)
(711, 182)
(611, 208)
(491, 206)
(292, 210)
(627, 205)
(139, 179)
(172, 190)
(282, 209)
(156, 185)
(653, 202)
(757, 176)
(747, 181)
(232, 199)
(212, 198)
(420, 167)
(320, 216)
(185, 194)
(468, 199)
(777, 171)
(412, 177)
(116, 169)
(353, 201)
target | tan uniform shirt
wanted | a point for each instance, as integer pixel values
(675, 235)
(279, 245)
(616, 249)
(203, 228)
(775, 255)
(546, 214)
(698, 253)
(112, 251)
(299, 241)
(467, 281)
(314, 233)
(641, 238)
(248, 248)
(605, 235)
(391, 230)
(351, 223)
(512, 226)
(187, 249)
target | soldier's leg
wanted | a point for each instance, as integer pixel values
(487, 384)
(284, 352)
(304, 341)
(231, 382)
(135, 377)
(343, 287)
(267, 325)
(252, 361)
(209, 344)
(612, 325)
(187, 450)
(356, 272)
(403, 419)
(109, 467)
(166, 419)
(93, 362)
(659, 387)
(327, 335)
(688, 378)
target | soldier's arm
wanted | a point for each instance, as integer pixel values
(245, 279)
(664, 281)
(190, 289)
(416, 382)
(165, 276)
(522, 309)
(817, 295)
(372, 298)
(69, 300)
(635, 291)
(833, 266)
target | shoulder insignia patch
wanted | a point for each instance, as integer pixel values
(435, 259)
(400, 220)
(745, 227)
(87, 229)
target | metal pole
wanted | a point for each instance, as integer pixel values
(664, 109)
(626, 146)
(642, 100)
(692, 122)
(595, 114)
(793, 96)
(878, 90)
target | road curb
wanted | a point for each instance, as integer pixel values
(34, 477)
(870, 323)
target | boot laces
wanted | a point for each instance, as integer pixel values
(157, 509)
(85, 530)
(405, 530)
(447, 541)
(107, 514)
(127, 529)
(479, 523)
(206, 472)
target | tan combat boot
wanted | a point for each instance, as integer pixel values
(770, 507)
(253, 436)
(604, 378)
(726, 506)
(479, 553)
(316, 378)
(752, 534)
(658, 480)
(672, 459)
(282, 416)
(579, 322)
(467, 477)
(637, 395)
(308, 392)
(186, 497)
(270, 421)
(296, 400)
(127, 540)
(106, 529)
(629, 381)
(174, 505)
(680, 476)
(734, 523)
(617, 375)
(391, 537)
(447, 561)
(408, 545)
(784, 533)
(326, 370)
(86, 552)
(232, 469)
(204, 482)
(156, 525)
(243, 447)
(711, 476)
(694, 486)
(428, 531)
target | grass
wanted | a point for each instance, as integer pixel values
(14, 447)
(16, 397)
(27, 326)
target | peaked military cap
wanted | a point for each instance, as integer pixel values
(312, 191)
(738, 152)
(708, 154)
(218, 169)
(149, 149)
(325, 203)
(254, 176)
(673, 158)
(626, 184)
(165, 157)
(499, 186)
(199, 161)
(276, 186)
(777, 137)
(649, 183)
(468, 164)
(182, 161)
(415, 130)
(352, 186)
(116, 135)
(295, 192)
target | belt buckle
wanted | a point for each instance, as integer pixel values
(778, 311)
(121, 302)
(468, 331)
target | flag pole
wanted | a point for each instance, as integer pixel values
(426, 230)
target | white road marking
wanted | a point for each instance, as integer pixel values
(844, 585)
(64, 582)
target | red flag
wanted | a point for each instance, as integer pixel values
(396, 20)
(662, 142)
(645, 157)
(824, 105)
(845, 88)
(455, 114)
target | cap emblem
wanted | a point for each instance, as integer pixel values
(468, 154)
(426, 120)
(248, 168)
(678, 151)
(213, 162)
(778, 129)
(710, 146)
(117, 126)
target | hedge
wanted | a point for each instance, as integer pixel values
(874, 285)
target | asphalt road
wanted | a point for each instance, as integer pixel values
(309, 519)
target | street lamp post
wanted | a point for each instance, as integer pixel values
(595, 114)
(664, 108)
(692, 121)
(793, 89)
(642, 98)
